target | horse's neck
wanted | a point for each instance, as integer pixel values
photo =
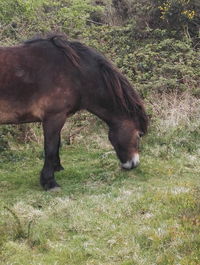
(107, 115)
(101, 105)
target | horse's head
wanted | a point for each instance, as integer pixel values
(125, 137)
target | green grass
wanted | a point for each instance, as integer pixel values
(102, 215)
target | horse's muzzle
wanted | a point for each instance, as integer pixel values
(133, 163)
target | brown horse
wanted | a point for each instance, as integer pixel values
(47, 79)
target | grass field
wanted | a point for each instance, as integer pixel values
(103, 215)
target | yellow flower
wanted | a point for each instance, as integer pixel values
(189, 14)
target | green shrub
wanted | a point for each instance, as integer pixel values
(182, 15)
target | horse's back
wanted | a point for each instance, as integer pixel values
(32, 83)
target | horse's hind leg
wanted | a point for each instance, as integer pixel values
(57, 165)
(52, 128)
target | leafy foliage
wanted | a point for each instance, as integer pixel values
(183, 15)
(160, 63)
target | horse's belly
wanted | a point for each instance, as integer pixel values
(11, 115)
(6, 118)
(6, 115)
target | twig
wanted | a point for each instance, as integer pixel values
(95, 22)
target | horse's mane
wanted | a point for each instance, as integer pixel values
(62, 43)
(121, 90)
(123, 93)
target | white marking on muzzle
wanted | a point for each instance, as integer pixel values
(136, 159)
(132, 163)
(127, 165)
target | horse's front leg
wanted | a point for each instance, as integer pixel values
(57, 164)
(52, 128)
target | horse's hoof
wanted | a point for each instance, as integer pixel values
(55, 189)
(58, 168)
(50, 185)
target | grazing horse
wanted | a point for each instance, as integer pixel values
(47, 79)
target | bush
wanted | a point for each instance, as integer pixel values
(22, 19)
(181, 15)
(157, 64)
